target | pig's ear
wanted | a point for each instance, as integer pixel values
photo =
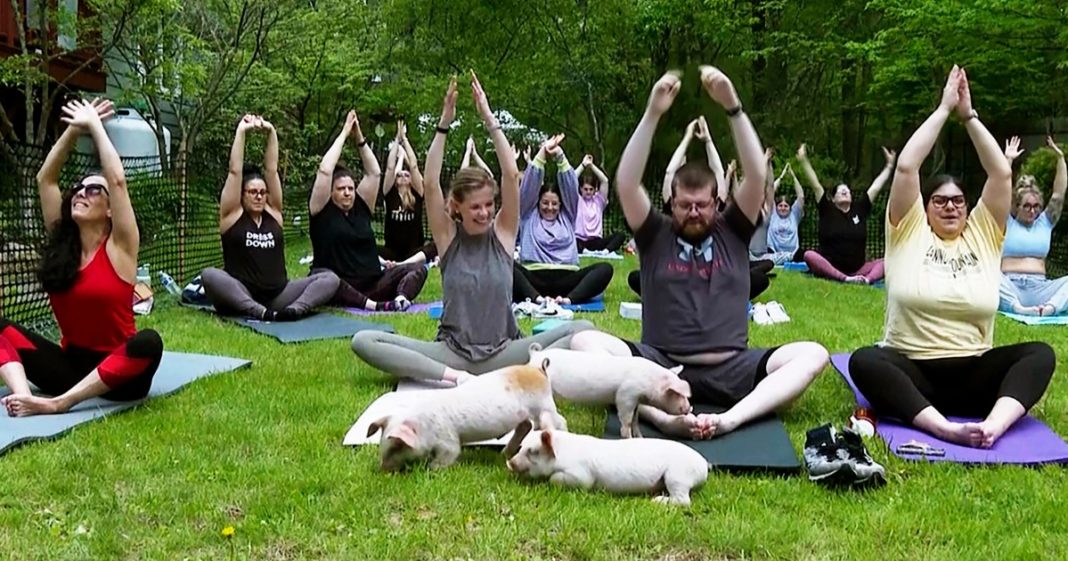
(377, 426)
(521, 431)
(406, 433)
(545, 367)
(677, 370)
(547, 443)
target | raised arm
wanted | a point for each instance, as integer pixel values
(533, 178)
(1060, 182)
(507, 223)
(880, 180)
(1012, 150)
(48, 176)
(324, 178)
(442, 226)
(905, 188)
(810, 174)
(395, 153)
(270, 169)
(413, 165)
(770, 182)
(677, 159)
(714, 162)
(602, 178)
(482, 163)
(469, 149)
(634, 199)
(799, 192)
(230, 200)
(997, 191)
(568, 181)
(372, 172)
(750, 194)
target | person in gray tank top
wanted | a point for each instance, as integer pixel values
(478, 332)
(695, 268)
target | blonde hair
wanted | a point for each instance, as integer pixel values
(1026, 185)
(406, 196)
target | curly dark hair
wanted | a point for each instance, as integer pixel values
(61, 256)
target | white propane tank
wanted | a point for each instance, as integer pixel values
(133, 138)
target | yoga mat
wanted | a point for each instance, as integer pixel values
(415, 308)
(1037, 320)
(594, 305)
(407, 394)
(762, 444)
(800, 266)
(311, 328)
(175, 370)
(603, 254)
(1028, 442)
(548, 324)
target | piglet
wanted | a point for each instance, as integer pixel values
(488, 406)
(603, 379)
(649, 465)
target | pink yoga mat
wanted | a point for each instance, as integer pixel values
(1028, 442)
(419, 308)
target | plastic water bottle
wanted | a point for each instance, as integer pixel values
(143, 275)
(169, 283)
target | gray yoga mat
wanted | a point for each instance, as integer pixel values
(175, 370)
(760, 445)
(311, 328)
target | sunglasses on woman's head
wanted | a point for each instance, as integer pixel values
(91, 189)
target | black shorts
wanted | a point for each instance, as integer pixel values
(721, 384)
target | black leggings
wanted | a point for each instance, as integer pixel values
(399, 280)
(966, 386)
(759, 281)
(127, 371)
(398, 255)
(611, 243)
(579, 286)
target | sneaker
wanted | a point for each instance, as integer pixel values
(288, 314)
(760, 315)
(857, 279)
(826, 461)
(402, 303)
(776, 312)
(525, 308)
(866, 471)
(550, 309)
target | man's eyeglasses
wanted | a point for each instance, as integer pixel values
(91, 189)
(687, 207)
(940, 202)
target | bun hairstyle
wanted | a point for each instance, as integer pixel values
(250, 172)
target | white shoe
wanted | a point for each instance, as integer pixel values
(776, 312)
(526, 308)
(760, 315)
(550, 309)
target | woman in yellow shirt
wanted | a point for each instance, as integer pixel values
(943, 268)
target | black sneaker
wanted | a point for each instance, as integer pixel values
(288, 314)
(867, 472)
(826, 460)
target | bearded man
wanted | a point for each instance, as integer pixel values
(695, 276)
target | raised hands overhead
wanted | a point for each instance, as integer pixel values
(1060, 183)
(1012, 149)
(48, 176)
(951, 91)
(441, 224)
(552, 145)
(632, 197)
(701, 130)
(750, 194)
(1049, 142)
(890, 156)
(809, 172)
(506, 225)
(720, 88)
(482, 102)
(587, 160)
(664, 92)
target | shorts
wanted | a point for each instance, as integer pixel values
(722, 384)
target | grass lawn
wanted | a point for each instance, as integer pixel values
(260, 450)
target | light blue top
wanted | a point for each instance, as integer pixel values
(782, 232)
(1028, 241)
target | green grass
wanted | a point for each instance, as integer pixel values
(260, 449)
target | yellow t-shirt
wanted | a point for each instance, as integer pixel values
(942, 295)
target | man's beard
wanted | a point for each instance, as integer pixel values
(693, 231)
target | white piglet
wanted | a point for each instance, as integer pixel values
(486, 407)
(626, 382)
(649, 465)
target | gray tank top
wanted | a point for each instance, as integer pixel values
(476, 282)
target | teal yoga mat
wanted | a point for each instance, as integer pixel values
(1037, 320)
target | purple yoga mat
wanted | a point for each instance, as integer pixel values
(419, 308)
(1028, 442)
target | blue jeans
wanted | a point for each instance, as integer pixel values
(1030, 289)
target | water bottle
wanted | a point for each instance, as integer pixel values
(169, 283)
(143, 275)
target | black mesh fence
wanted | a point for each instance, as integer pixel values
(178, 222)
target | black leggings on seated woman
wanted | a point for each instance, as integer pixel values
(578, 286)
(963, 386)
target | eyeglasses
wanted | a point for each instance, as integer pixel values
(256, 193)
(687, 207)
(1031, 207)
(91, 189)
(940, 202)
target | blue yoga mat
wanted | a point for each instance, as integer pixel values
(311, 328)
(1037, 320)
(175, 370)
(799, 266)
(594, 305)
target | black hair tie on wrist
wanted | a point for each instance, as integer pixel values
(442, 130)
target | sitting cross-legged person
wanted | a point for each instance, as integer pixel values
(695, 267)
(253, 281)
(943, 269)
(343, 241)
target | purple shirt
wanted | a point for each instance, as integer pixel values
(589, 215)
(548, 241)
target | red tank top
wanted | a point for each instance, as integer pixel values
(96, 312)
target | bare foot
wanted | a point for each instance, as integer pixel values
(856, 279)
(968, 434)
(1027, 310)
(991, 432)
(22, 405)
(1047, 310)
(563, 301)
(456, 376)
(683, 426)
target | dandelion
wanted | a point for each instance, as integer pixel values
(228, 532)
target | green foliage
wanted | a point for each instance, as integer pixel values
(1042, 164)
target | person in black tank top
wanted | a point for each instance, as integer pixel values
(403, 224)
(253, 280)
(343, 241)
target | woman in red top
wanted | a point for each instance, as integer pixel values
(88, 267)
